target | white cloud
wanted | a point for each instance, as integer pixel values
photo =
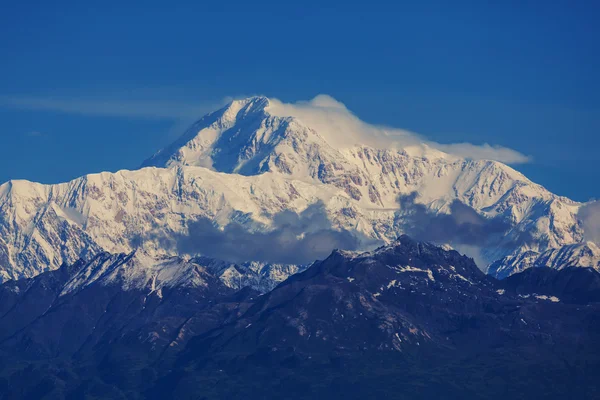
(483, 152)
(338, 125)
(589, 214)
(341, 127)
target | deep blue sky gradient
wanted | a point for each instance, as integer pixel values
(522, 74)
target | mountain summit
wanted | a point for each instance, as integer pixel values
(223, 139)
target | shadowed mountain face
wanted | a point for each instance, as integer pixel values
(408, 320)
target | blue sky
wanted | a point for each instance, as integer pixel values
(92, 88)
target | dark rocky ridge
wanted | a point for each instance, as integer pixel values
(572, 285)
(409, 320)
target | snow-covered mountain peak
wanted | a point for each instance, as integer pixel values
(251, 160)
(256, 135)
(582, 254)
(249, 105)
(206, 141)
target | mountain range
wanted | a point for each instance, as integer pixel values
(262, 256)
(246, 186)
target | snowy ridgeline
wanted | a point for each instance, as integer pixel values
(140, 271)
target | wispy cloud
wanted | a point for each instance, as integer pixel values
(129, 108)
(483, 152)
(341, 127)
(589, 215)
(35, 134)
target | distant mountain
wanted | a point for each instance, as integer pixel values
(244, 165)
(586, 255)
(407, 320)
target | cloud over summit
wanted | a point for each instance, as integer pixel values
(340, 127)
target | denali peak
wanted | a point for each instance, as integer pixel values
(245, 164)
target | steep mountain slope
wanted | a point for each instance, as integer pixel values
(243, 164)
(407, 320)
